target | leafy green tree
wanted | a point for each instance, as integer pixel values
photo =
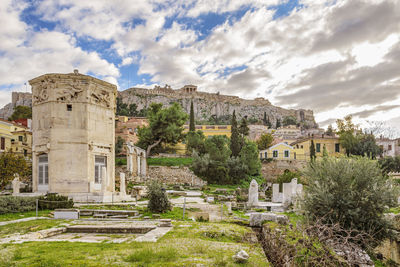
(351, 192)
(11, 164)
(278, 123)
(329, 131)
(390, 164)
(237, 169)
(235, 137)
(265, 141)
(192, 126)
(250, 158)
(122, 108)
(244, 128)
(195, 141)
(366, 146)
(119, 145)
(287, 176)
(217, 147)
(289, 120)
(165, 126)
(312, 151)
(158, 199)
(21, 112)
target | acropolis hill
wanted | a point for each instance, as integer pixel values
(209, 104)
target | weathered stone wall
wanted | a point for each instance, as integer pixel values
(207, 104)
(271, 170)
(17, 99)
(174, 175)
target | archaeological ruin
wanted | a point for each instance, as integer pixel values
(73, 136)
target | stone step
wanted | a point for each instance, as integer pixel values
(111, 212)
(109, 229)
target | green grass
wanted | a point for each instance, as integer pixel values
(29, 226)
(160, 161)
(21, 215)
(395, 210)
(169, 161)
(174, 214)
(182, 246)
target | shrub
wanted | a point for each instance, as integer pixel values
(351, 192)
(53, 201)
(158, 200)
(11, 204)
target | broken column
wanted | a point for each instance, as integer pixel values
(253, 194)
(122, 189)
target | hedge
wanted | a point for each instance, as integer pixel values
(13, 204)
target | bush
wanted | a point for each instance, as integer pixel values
(351, 192)
(287, 176)
(11, 204)
(158, 200)
(53, 201)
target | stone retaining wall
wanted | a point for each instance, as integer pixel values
(174, 175)
(271, 170)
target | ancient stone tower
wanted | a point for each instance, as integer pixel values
(73, 136)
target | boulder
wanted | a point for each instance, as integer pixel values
(241, 257)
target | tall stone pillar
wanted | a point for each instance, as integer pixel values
(129, 162)
(122, 188)
(104, 179)
(143, 169)
(138, 164)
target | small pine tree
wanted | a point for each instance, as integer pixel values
(158, 200)
(192, 126)
(235, 138)
(312, 151)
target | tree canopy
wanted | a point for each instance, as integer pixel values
(10, 164)
(265, 141)
(235, 137)
(21, 112)
(124, 109)
(165, 126)
(289, 120)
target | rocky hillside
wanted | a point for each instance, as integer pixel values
(207, 105)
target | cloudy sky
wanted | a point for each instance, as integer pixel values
(334, 57)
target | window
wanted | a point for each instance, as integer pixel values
(390, 147)
(3, 143)
(20, 138)
(25, 152)
(301, 146)
(266, 155)
(99, 162)
(260, 155)
(69, 107)
(275, 153)
(318, 147)
(286, 153)
(43, 170)
(337, 148)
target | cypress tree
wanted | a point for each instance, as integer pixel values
(269, 123)
(235, 138)
(243, 128)
(278, 123)
(192, 126)
(312, 151)
(265, 118)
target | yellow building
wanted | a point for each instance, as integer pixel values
(331, 143)
(208, 131)
(15, 138)
(282, 151)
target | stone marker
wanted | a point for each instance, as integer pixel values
(16, 184)
(66, 214)
(229, 207)
(122, 189)
(253, 194)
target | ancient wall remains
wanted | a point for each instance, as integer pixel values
(174, 175)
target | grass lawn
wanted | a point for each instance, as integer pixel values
(28, 226)
(210, 244)
(20, 215)
(160, 161)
